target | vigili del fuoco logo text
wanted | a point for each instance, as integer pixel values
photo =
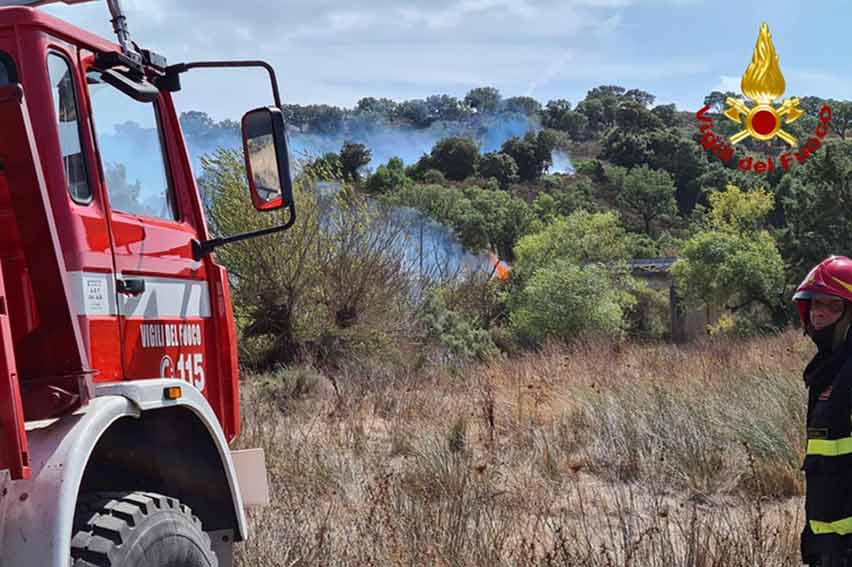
(759, 116)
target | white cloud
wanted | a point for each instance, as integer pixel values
(348, 21)
(817, 83)
(453, 15)
(728, 83)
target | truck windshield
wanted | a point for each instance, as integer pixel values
(131, 149)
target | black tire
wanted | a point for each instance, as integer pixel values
(137, 529)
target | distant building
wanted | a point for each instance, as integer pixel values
(685, 324)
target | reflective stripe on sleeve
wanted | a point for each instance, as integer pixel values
(841, 527)
(830, 448)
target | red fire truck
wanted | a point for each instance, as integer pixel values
(118, 366)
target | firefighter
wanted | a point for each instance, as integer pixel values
(824, 301)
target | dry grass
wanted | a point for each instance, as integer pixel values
(594, 455)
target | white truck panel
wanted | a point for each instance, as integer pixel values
(36, 515)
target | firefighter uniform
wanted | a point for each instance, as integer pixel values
(828, 464)
(827, 535)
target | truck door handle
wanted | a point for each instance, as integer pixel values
(130, 286)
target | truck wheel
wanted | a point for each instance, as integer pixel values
(137, 529)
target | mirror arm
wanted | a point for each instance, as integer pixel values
(202, 249)
(177, 70)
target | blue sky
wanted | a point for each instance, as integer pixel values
(335, 52)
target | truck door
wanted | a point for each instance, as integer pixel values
(162, 293)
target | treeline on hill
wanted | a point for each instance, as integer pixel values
(337, 285)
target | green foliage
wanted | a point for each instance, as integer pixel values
(325, 168)
(388, 178)
(434, 177)
(317, 118)
(572, 196)
(460, 340)
(563, 299)
(578, 238)
(559, 116)
(446, 108)
(649, 317)
(734, 262)
(456, 158)
(739, 212)
(525, 105)
(659, 149)
(380, 105)
(648, 195)
(634, 117)
(592, 168)
(532, 153)
(273, 278)
(667, 113)
(817, 199)
(481, 219)
(499, 166)
(568, 278)
(352, 158)
(321, 289)
(483, 99)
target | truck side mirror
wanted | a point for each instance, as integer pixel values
(267, 158)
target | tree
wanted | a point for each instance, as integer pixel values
(734, 262)
(660, 149)
(667, 113)
(739, 212)
(841, 116)
(482, 219)
(817, 200)
(568, 278)
(324, 119)
(639, 96)
(383, 106)
(415, 112)
(579, 194)
(326, 168)
(532, 153)
(600, 106)
(649, 195)
(716, 100)
(559, 116)
(483, 99)
(525, 105)
(564, 299)
(500, 166)
(388, 178)
(456, 158)
(447, 108)
(352, 158)
(273, 293)
(634, 117)
(581, 237)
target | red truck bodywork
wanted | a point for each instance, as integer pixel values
(63, 321)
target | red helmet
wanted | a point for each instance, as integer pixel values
(832, 276)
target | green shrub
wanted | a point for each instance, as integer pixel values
(459, 340)
(564, 299)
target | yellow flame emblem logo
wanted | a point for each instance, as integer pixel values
(763, 83)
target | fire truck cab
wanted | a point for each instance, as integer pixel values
(119, 392)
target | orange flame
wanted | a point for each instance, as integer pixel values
(501, 268)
